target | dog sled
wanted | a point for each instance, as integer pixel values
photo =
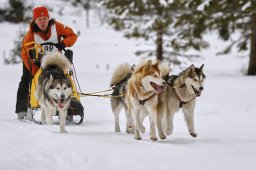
(75, 113)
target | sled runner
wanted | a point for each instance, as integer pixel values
(75, 112)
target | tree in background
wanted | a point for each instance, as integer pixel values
(16, 11)
(86, 4)
(157, 20)
(15, 55)
(90, 5)
(232, 17)
(180, 25)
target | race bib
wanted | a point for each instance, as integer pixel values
(49, 48)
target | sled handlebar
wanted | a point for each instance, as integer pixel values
(68, 53)
(36, 49)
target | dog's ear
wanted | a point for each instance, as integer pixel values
(148, 64)
(202, 67)
(189, 70)
(186, 73)
(192, 67)
(132, 68)
(49, 83)
(157, 63)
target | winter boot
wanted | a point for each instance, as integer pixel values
(21, 115)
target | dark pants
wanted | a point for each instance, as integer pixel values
(23, 91)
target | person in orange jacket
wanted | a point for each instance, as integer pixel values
(42, 29)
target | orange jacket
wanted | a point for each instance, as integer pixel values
(69, 38)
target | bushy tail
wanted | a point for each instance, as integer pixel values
(56, 59)
(164, 68)
(120, 73)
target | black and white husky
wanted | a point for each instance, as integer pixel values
(53, 90)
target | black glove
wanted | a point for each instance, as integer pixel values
(60, 45)
(32, 53)
(37, 63)
(69, 55)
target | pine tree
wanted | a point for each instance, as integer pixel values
(228, 17)
(155, 21)
(86, 4)
(15, 55)
(180, 25)
(16, 12)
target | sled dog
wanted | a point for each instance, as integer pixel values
(53, 89)
(143, 88)
(180, 93)
(119, 81)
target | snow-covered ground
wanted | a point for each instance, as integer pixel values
(225, 116)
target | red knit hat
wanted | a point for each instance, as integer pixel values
(40, 11)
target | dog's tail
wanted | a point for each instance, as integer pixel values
(121, 72)
(56, 59)
(164, 69)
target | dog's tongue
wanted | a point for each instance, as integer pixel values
(158, 89)
(60, 104)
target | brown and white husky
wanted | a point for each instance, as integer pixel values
(143, 89)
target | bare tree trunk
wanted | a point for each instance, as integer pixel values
(159, 45)
(87, 18)
(99, 15)
(252, 62)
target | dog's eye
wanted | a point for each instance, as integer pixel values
(51, 87)
(58, 88)
(65, 88)
(195, 79)
(155, 75)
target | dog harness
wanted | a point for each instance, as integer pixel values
(142, 102)
(120, 84)
(170, 81)
(178, 96)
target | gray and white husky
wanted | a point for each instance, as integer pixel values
(54, 90)
(119, 81)
(180, 93)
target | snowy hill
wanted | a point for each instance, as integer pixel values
(224, 116)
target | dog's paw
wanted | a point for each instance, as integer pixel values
(63, 131)
(117, 129)
(137, 137)
(153, 138)
(193, 134)
(162, 136)
(130, 130)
